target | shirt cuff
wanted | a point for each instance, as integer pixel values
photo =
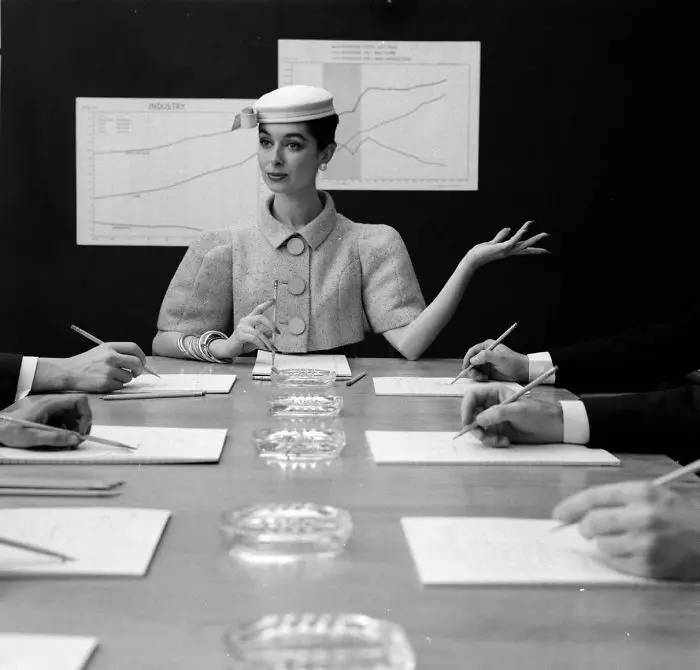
(576, 427)
(26, 376)
(538, 364)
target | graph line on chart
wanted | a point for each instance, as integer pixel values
(387, 121)
(138, 150)
(370, 89)
(153, 172)
(394, 149)
(127, 226)
(177, 183)
(408, 111)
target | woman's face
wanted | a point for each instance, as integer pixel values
(288, 156)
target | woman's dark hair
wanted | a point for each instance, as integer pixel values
(323, 130)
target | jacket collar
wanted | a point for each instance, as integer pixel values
(314, 232)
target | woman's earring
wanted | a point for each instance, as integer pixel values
(323, 166)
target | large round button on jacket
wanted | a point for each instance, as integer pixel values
(296, 325)
(296, 285)
(296, 246)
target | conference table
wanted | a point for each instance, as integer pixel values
(175, 617)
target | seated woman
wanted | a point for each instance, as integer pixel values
(337, 278)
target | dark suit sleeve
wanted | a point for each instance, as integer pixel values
(637, 358)
(662, 422)
(10, 365)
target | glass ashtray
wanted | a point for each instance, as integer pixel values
(302, 377)
(299, 440)
(286, 530)
(326, 641)
(305, 404)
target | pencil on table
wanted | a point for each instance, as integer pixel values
(34, 549)
(516, 396)
(65, 431)
(97, 340)
(145, 395)
(490, 348)
(356, 378)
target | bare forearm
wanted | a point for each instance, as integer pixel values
(412, 340)
(165, 344)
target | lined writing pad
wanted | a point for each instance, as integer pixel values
(438, 447)
(185, 382)
(108, 541)
(335, 362)
(155, 445)
(19, 651)
(484, 550)
(425, 386)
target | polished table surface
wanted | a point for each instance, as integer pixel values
(175, 617)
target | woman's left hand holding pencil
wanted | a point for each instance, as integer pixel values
(525, 421)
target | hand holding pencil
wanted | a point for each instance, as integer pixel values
(499, 416)
(640, 527)
(492, 360)
(468, 366)
(55, 421)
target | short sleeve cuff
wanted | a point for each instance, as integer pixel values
(538, 364)
(576, 427)
(26, 376)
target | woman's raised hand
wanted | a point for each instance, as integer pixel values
(252, 332)
(502, 247)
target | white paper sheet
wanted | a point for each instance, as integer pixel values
(425, 386)
(118, 541)
(154, 445)
(20, 651)
(185, 382)
(337, 362)
(390, 446)
(482, 550)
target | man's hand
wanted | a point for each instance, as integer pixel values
(641, 529)
(501, 364)
(71, 411)
(106, 367)
(522, 422)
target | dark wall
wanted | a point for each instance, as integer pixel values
(586, 126)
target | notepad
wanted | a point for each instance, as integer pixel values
(154, 445)
(114, 541)
(425, 386)
(390, 446)
(481, 550)
(150, 383)
(336, 362)
(20, 651)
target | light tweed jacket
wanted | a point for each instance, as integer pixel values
(343, 278)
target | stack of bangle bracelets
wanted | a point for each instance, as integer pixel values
(198, 347)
